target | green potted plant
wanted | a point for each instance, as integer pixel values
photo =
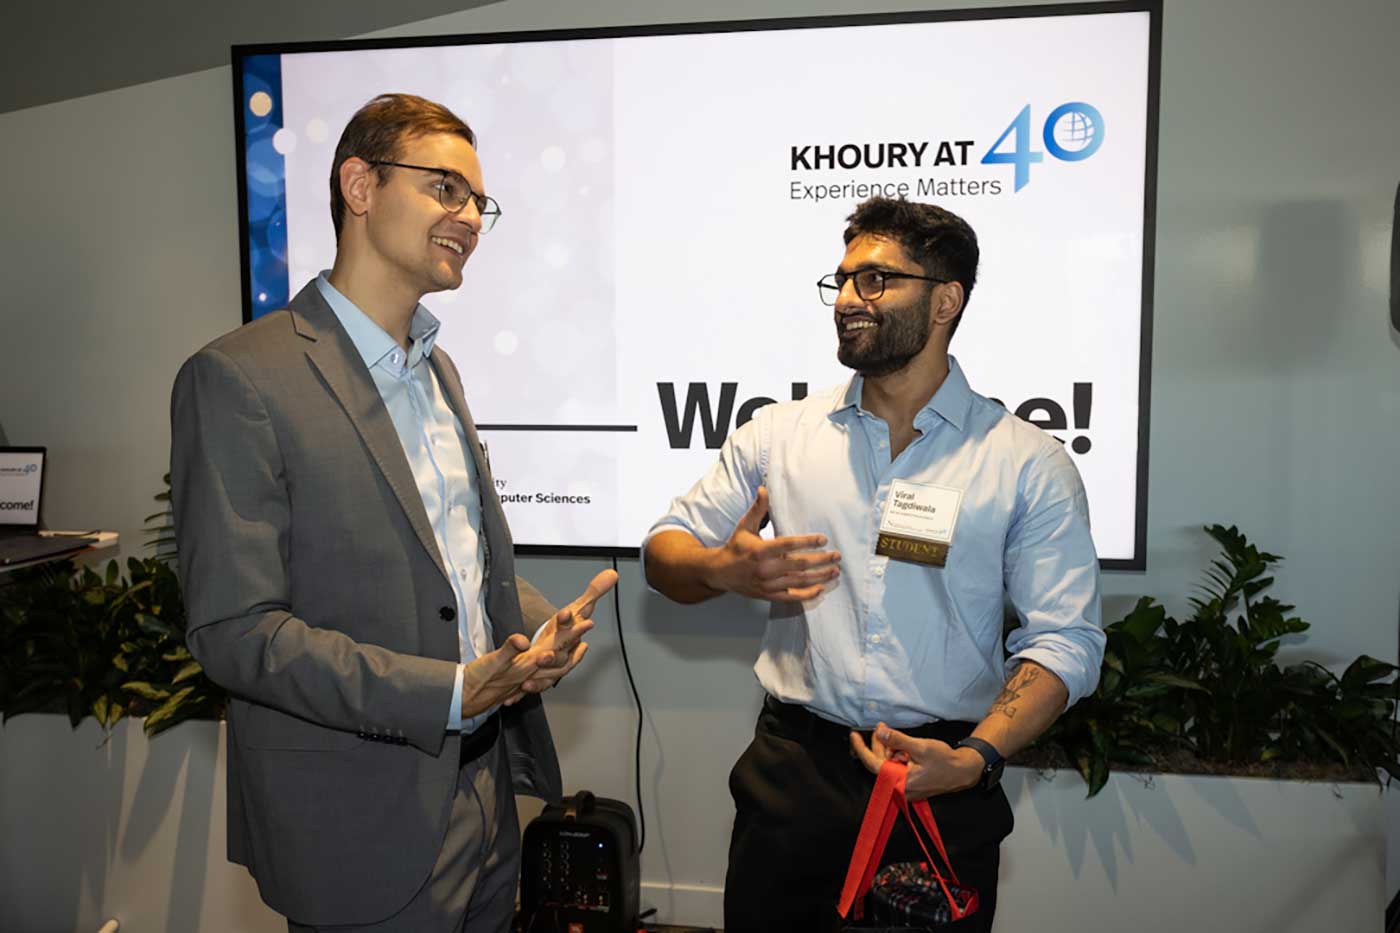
(104, 645)
(1206, 694)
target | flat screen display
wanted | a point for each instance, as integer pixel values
(670, 197)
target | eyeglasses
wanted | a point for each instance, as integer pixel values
(869, 283)
(454, 192)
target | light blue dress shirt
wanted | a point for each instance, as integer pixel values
(899, 642)
(435, 445)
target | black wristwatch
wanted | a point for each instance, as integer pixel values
(994, 763)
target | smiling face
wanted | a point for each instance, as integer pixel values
(879, 337)
(406, 228)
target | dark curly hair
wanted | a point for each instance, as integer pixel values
(937, 239)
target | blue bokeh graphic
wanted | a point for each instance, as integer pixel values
(265, 183)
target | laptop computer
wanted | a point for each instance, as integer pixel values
(21, 497)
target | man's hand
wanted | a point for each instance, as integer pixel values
(560, 646)
(495, 677)
(788, 569)
(934, 767)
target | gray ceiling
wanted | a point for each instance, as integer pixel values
(70, 48)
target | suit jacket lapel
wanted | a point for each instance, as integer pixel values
(334, 356)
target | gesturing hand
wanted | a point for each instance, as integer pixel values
(497, 676)
(560, 646)
(934, 767)
(787, 569)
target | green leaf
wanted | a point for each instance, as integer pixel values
(1166, 722)
(1336, 746)
(1133, 756)
(192, 669)
(1144, 620)
(164, 712)
(1098, 773)
(146, 691)
(1172, 680)
(152, 624)
(100, 708)
(178, 654)
(1084, 766)
(1364, 670)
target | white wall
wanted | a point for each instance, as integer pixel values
(1275, 393)
(133, 829)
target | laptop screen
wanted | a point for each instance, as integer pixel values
(21, 486)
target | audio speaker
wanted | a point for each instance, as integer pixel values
(580, 871)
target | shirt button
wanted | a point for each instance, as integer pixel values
(884, 444)
(874, 639)
(870, 704)
(880, 571)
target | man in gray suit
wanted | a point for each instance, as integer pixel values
(349, 574)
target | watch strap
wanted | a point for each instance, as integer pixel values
(987, 750)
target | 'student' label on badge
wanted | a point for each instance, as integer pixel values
(918, 522)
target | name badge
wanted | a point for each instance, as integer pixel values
(918, 521)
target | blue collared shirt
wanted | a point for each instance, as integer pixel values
(434, 443)
(907, 643)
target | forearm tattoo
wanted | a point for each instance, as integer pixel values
(1006, 701)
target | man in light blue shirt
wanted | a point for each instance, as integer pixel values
(348, 571)
(905, 507)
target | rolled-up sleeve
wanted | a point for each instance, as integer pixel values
(1052, 577)
(712, 508)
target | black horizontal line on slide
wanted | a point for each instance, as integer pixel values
(556, 427)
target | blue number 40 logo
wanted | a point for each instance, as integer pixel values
(1072, 133)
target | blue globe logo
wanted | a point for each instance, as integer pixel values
(1076, 131)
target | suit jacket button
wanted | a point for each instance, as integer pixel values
(447, 613)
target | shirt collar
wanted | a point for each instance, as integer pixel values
(951, 402)
(370, 339)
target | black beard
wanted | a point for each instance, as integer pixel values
(901, 335)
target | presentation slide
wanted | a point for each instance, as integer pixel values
(670, 200)
(21, 479)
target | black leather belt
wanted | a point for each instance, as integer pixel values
(481, 741)
(799, 723)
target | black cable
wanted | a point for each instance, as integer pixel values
(636, 698)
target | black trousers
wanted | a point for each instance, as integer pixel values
(800, 795)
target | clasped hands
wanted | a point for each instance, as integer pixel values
(517, 668)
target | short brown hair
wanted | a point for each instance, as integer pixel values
(379, 128)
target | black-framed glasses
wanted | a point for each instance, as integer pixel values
(869, 283)
(454, 192)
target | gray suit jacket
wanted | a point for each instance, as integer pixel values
(316, 595)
